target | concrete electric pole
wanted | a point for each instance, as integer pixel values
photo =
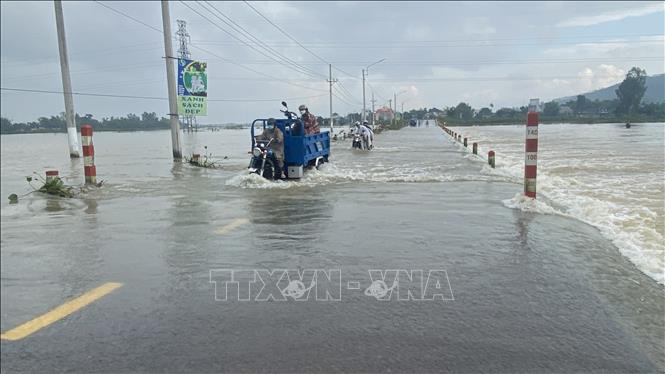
(170, 79)
(373, 112)
(395, 113)
(70, 114)
(390, 105)
(331, 81)
(364, 110)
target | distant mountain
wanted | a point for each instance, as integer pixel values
(655, 91)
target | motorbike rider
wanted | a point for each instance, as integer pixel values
(311, 124)
(365, 134)
(368, 135)
(272, 132)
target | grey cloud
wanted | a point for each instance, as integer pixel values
(112, 54)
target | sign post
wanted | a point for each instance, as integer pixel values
(192, 88)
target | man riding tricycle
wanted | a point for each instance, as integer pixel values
(284, 149)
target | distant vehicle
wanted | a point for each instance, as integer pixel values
(413, 123)
(301, 151)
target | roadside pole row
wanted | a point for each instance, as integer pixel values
(89, 168)
(491, 160)
(530, 148)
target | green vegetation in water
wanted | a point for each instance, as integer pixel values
(205, 162)
(54, 187)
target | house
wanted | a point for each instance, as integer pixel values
(565, 110)
(436, 113)
(384, 114)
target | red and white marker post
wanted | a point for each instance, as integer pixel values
(88, 155)
(531, 150)
(51, 175)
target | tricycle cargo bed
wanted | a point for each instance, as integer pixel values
(302, 150)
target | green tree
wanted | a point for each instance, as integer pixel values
(506, 113)
(463, 111)
(580, 104)
(631, 91)
(5, 125)
(484, 112)
(551, 109)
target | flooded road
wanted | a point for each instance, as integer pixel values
(522, 292)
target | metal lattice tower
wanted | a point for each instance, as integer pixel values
(182, 36)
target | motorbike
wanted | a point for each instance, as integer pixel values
(357, 142)
(263, 161)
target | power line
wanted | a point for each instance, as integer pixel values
(128, 16)
(342, 100)
(376, 92)
(153, 97)
(344, 72)
(83, 94)
(483, 79)
(483, 62)
(348, 93)
(466, 41)
(340, 95)
(300, 70)
(243, 66)
(81, 72)
(466, 45)
(52, 59)
(249, 35)
(285, 33)
(286, 81)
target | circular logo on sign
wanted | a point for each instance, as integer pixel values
(195, 78)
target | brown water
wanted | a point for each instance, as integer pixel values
(535, 289)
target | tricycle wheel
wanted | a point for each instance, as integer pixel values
(269, 170)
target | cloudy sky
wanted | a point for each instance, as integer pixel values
(436, 53)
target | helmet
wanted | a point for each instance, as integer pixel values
(357, 123)
(365, 122)
(302, 107)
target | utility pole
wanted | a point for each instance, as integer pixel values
(331, 81)
(182, 36)
(70, 114)
(170, 79)
(390, 105)
(363, 115)
(373, 112)
(395, 115)
(365, 70)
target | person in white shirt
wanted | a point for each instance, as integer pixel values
(367, 135)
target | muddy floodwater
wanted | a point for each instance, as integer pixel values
(570, 283)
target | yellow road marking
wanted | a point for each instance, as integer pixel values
(60, 312)
(232, 226)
